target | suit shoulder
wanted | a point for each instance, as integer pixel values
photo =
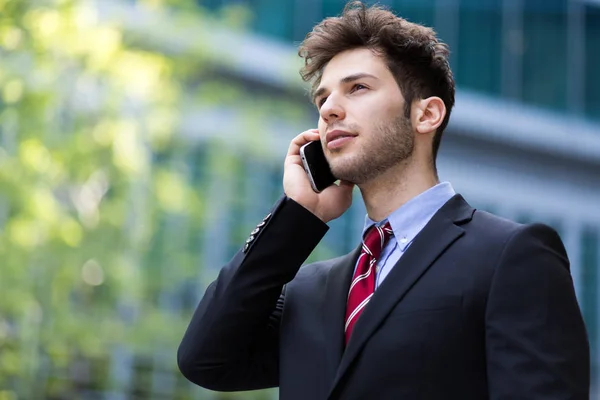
(489, 224)
(489, 231)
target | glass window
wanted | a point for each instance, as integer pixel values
(592, 66)
(274, 18)
(477, 60)
(333, 8)
(212, 4)
(308, 13)
(545, 53)
(420, 12)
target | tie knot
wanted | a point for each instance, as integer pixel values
(376, 238)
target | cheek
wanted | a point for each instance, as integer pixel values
(322, 126)
(391, 105)
(371, 110)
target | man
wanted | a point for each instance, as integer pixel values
(440, 301)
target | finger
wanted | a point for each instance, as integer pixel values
(301, 140)
(305, 137)
(293, 160)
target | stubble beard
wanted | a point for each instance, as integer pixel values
(389, 145)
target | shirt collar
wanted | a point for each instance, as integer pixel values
(408, 220)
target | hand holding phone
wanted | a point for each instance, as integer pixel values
(316, 166)
(323, 197)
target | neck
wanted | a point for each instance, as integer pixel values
(395, 187)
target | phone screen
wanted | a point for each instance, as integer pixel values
(316, 166)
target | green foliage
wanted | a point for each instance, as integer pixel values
(98, 219)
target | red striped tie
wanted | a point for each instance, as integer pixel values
(363, 282)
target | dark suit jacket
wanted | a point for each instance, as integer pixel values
(477, 308)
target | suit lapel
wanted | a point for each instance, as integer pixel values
(441, 231)
(336, 294)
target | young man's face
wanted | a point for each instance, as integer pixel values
(362, 125)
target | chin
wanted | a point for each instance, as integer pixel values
(346, 170)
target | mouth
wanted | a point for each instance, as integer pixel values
(336, 139)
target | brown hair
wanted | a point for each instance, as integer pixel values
(414, 55)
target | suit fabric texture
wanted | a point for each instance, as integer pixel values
(478, 307)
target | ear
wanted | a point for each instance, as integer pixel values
(428, 114)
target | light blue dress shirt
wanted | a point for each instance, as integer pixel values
(406, 222)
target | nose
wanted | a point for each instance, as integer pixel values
(332, 110)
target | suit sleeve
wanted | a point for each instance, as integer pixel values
(536, 341)
(232, 341)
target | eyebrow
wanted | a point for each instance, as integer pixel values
(347, 79)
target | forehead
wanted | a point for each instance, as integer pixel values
(352, 62)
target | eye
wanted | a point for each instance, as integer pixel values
(358, 86)
(321, 101)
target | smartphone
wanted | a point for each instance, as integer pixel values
(316, 166)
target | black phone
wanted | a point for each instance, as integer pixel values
(316, 166)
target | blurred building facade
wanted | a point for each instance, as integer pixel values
(524, 139)
(509, 49)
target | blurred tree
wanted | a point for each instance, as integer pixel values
(93, 203)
